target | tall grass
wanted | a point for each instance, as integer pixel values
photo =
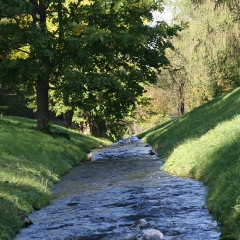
(30, 163)
(205, 145)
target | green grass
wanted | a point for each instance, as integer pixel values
(30, 163)
(205, 145)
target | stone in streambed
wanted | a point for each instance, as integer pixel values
(141, 223)
(152, 234)
(151, 152)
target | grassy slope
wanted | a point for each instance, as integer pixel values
(205, 144)
(30, 163)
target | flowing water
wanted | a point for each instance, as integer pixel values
(123, 194)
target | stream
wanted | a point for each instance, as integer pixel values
(123, 195)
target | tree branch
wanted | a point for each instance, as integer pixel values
(20, 50)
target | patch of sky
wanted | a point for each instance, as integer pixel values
(166, 16)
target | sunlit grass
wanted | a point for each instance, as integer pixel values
(30, 163)
(205, 145)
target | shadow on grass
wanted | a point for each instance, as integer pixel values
(30, 162)
(152, 130)
(19, 122)
(194, 124)
(17, 200)
(222, 176)
(86, 142)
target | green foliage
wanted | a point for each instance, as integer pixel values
(205, 52)
(233, 5)
(95, 55)
(204, 61)
(28, 170)
(204, 145)
(118, 42)
(13, 101)
(152, 109)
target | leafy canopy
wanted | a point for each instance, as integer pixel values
(94, 55)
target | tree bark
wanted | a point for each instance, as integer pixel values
(181, 98)
(42, 106)
(68, 116)
(42, 84)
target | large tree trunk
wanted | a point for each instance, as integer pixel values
(42, 84)
(42, 106)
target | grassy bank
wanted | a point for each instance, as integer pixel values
(30, 163)
(205, 145)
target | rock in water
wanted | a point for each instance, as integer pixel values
(151, 152)
(152, 234)
(142, 223)
(90, 156)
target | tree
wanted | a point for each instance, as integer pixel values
(128, 53)
(94, 55)
(209, 45)
(24, 29)
(204, 62)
